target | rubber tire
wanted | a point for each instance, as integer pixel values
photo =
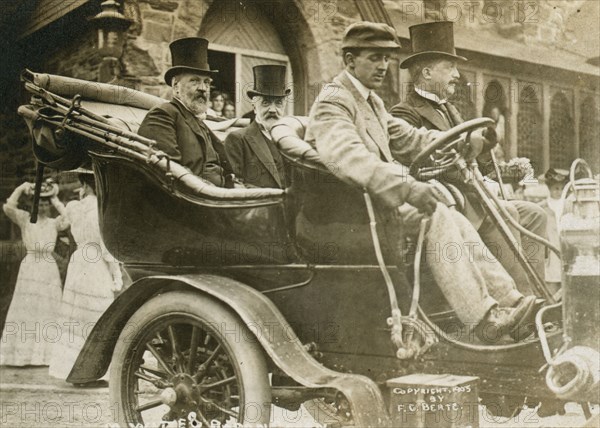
(246, 355)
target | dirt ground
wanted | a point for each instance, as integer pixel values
(29, 398)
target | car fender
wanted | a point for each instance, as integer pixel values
(263, 319)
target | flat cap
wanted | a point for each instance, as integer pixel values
(366, 34)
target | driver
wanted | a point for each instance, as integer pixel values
(434, 75)
(360, 143)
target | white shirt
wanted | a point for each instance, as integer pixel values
(429, 96)
(557, 207)
(362, 89)
(432, 97)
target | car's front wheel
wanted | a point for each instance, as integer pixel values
(184, 355)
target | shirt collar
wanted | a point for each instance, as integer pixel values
(263, 130)
(429, 96)
(362, 89)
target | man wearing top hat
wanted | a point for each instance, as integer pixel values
(363, 145)
(252, 154)
(175, 126)
(434, 74)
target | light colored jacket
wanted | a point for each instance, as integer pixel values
(364, 146)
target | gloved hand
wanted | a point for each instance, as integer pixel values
(478, 143)
(491, 138)
(423, 197)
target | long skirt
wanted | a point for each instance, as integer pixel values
(31, 326)
(86, 297)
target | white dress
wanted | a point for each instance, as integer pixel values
(88, 286)
(31, 325)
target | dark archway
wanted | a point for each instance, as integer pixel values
(287, 18)
(562, 132)
(589, 133)
(530, 128)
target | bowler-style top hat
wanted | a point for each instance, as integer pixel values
(433, 39)
(373, 35)
(269, 80)
(188, 55)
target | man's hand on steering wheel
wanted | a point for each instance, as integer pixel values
(481, 140)
(423, 196)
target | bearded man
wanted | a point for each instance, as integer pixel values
(253, 156)
(176, 126)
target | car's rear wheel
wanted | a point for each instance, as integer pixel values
(184, 355)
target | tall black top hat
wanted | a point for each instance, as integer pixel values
(433, 39)
(269, 80)
(189, 55)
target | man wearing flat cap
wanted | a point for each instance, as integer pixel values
(252, 154)
(175, 125)
(433, 67)
(365, 146)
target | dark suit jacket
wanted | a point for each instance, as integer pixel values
(186, 140)
(251, 158)
(420, 112)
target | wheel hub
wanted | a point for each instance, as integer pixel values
(182, 398)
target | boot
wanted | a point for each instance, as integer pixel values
(526, 326)
(500, 321)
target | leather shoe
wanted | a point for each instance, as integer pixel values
(500, 321)
(526, 325)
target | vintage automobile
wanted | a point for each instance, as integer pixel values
(246, 297)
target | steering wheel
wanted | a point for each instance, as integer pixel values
(446, 145)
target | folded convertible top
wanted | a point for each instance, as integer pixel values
(96, 91)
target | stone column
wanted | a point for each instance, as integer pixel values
(513, 109)
(546, 110)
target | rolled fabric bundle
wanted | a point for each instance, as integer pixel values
(96, 91)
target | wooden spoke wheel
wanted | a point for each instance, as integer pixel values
(187, 356)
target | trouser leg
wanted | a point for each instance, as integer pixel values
(500, 284)
(454, 268)
(533, 218)
(503, 251)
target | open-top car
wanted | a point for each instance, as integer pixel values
(248, 297)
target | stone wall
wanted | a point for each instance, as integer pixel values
(311, 32)
(531, 22)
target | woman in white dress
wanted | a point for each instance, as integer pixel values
(31, 328)
(93, 276)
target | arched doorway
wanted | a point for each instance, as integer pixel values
(241, 37)
(496, 107)
(589, 133)
(245, 33)
(562, 132)
(530, 128)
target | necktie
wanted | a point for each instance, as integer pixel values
(371, 102)
(444, 108)
(453, 114)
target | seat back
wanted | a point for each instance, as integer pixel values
(288, 134)
(331, 220)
